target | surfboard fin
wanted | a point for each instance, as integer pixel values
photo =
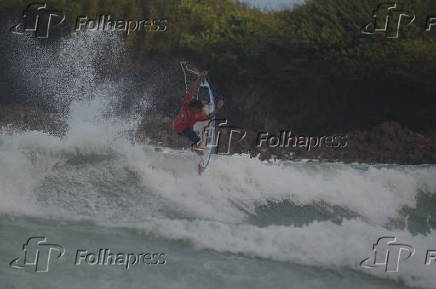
(200, 169)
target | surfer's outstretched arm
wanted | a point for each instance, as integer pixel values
(196, 84)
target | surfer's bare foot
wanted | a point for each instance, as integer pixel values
(197, 150)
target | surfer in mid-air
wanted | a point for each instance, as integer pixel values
(192, 112)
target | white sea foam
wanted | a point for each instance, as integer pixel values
(322, 244)
(131, 185)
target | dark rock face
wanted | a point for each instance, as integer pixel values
(391, 143)
(385, 143)
(388, 142)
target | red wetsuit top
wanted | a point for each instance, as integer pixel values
(186, 117)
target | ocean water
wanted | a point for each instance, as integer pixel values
(243, 224)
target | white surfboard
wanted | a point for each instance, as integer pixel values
(206, 130)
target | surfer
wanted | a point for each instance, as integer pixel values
(192, 112)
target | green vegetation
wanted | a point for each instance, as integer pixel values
(309, 67)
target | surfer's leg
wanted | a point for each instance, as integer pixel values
(190, 133)
(196, 145)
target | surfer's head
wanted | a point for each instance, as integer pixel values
(196, 105)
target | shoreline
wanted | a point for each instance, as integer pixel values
(387, 143)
